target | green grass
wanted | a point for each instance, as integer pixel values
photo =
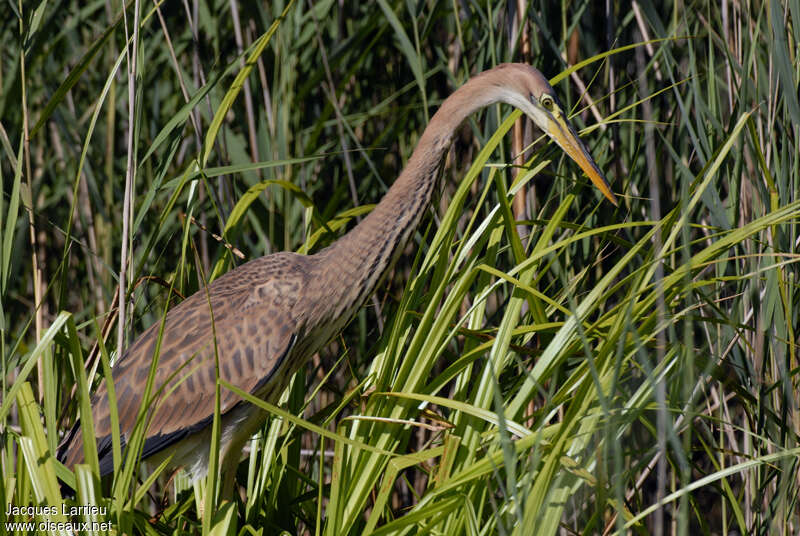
(560, 364)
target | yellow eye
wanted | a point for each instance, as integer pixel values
(548, 103)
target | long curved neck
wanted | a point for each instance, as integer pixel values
(367, 252)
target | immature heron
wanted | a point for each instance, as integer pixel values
(272, 314)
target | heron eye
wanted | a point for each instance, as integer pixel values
(548, 103)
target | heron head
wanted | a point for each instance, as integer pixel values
(528, 90)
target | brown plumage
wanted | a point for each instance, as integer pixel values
(271, 314)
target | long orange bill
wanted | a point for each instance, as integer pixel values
(562, 132)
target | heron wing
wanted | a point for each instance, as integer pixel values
(250, 310)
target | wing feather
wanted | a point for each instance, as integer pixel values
(253, 311)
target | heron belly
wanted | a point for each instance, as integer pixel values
(192, 452)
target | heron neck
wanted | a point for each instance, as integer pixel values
(364, 255)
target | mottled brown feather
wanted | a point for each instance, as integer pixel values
(251, 299)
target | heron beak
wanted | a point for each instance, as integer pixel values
(562, 132)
